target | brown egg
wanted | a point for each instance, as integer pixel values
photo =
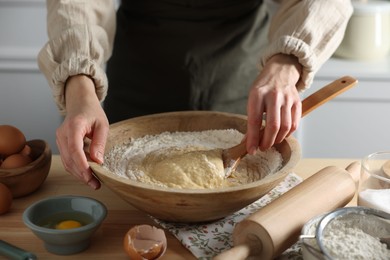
(145, 242)
(26, 150)
(12, 140)
(15, 161)
(5, 199)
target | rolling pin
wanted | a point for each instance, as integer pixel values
(274, 228)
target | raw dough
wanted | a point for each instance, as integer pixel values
(135, 159)
(189, 168)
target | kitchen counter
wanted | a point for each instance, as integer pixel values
(107, 242)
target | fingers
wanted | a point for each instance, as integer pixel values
(296, 115)
(255, 111)
(78, 158)
(281, 106)
(98, 143)
(282, 119)
(70, 141)
(281, 113)
(285, 124)
(272, 121)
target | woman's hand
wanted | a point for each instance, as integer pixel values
(274, 93)
(84, 118)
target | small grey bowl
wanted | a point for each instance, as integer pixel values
(65, 241)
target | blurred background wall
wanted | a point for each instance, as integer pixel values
(25, 98)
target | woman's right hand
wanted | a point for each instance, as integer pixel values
(274, 94)
(85, 119)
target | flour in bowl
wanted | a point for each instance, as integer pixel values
(188, 160)
(356, 236)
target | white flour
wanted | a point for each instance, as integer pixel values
(356, 236)
(126, 159)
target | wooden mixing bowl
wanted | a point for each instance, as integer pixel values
(184, 205)
(27, 179)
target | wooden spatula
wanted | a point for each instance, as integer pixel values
(233, 155)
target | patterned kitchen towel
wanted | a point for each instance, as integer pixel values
(208, 240)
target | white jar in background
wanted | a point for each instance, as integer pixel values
(367, 36)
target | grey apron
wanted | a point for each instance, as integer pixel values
(175, 55)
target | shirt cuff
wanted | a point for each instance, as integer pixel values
(306, 57)
(72, 67)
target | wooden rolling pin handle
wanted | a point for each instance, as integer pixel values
(237, 252)
(277, 225)
(354, 170)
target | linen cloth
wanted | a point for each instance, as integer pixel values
(209, 239)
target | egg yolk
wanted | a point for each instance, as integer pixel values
(68, 224)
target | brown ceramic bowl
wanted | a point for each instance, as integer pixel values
(183, 205)
(27, 179)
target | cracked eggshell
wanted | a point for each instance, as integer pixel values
(145, 242)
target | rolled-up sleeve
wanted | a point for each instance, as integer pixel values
(80, 42)
(311, 30)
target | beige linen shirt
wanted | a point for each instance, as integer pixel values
(81, 34)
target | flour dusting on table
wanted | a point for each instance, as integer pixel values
(131, 159)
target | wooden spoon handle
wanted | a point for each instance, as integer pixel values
(327, 93)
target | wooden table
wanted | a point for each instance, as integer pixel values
(107, 241)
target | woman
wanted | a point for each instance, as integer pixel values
(241, 56)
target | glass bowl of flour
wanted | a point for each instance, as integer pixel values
(147, 163)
